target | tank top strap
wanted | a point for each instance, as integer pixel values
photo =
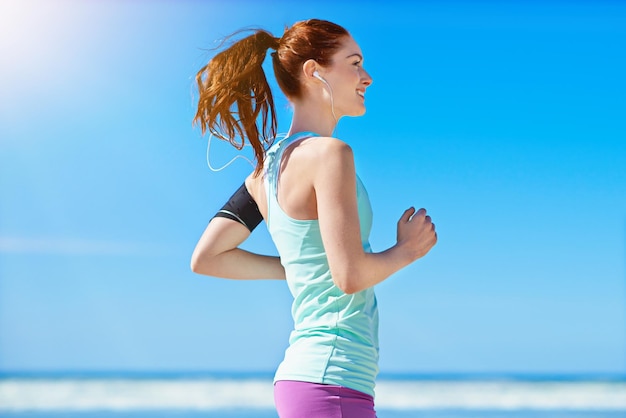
(273, 158)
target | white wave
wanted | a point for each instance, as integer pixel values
(501, 395)
(215, 394)
(77, 394)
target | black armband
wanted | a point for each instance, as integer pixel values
(241, 208)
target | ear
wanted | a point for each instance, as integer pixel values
(308, 68)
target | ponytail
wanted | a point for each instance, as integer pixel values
(233, 92)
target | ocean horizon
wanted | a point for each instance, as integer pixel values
(79, 394)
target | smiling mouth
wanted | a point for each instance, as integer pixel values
(361, 93)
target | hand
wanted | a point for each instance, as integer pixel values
(416, 233)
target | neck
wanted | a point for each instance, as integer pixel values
(308, 117)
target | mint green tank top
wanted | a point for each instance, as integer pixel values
(335, 336)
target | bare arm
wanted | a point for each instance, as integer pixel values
(217, 254)
(352, 268)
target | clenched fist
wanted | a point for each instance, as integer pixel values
(416, 233)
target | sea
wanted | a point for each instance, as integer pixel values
(249, 395)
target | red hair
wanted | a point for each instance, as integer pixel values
(233, 89)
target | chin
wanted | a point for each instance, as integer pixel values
(357, 112)
(354, 112)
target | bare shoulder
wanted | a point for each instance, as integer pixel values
(334, 156)
(328, 148)
(329, 142)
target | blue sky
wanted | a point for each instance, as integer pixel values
(506, 120)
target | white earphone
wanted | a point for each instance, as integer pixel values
(318, 76)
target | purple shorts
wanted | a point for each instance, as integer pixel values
(312, 400)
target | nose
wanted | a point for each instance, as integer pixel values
(366, 79)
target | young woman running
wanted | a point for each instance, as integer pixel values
(315, 206)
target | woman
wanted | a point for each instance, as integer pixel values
(317, 211)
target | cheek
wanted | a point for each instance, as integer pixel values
(351, 78)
